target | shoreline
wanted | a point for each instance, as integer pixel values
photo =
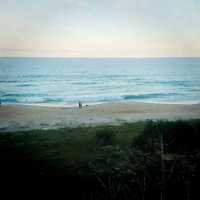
(27, 117)
(74, 105)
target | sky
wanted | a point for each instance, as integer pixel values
(100, 28)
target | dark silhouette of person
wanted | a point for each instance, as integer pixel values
(79, 104)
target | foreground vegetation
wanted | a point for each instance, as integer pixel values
(143, 160)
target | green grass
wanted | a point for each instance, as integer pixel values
(67, 150)
(129, 161)
(72, 150)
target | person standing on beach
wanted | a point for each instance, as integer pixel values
(79, 104)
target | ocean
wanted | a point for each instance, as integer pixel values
(66, 81)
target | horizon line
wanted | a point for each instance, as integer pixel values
(100, 57)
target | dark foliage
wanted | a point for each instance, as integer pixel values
(104, 137)
(170, 154)
(144, 161)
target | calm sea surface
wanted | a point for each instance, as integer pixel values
(64, 81)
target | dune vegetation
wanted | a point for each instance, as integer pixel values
(141, 160)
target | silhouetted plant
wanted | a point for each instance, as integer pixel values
(104, 137)
(148, 140)
(171, 149)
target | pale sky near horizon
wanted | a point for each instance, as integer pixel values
(100, 28)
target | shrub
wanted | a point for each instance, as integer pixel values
(148, 140)
(104, 137)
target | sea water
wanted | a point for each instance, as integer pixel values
(66, 81)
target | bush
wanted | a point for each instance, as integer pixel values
(178, 137)
(104, 137)
(148, 140)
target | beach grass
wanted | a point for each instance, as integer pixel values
(67, 148)
(128, 161)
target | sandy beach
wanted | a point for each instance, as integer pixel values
(18, 117)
